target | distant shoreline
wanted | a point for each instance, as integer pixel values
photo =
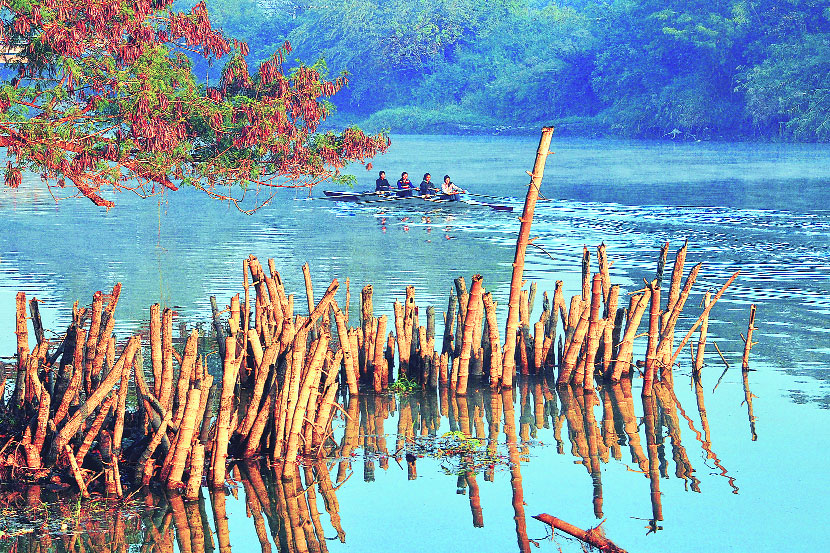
(421, 121)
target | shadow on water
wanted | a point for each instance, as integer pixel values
(460, 444)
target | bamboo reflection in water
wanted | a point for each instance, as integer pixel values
(351, 434)
(572, 412)
(610, 438)
(380, 412)
(493, 421)
(515, 471)
(289, 509)
(704, 439)
(748, 400)
(368, 438)
(181, 522)
(220, 520)
(324, 485)
(650, 422)
(594, 447)
(463, 413)
(684, 470)
(623, 403)
(254, 508)
(313, 512)
(526, 416)
(475, 500)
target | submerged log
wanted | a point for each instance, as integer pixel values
(593, 537)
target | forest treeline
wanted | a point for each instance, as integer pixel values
(649, 68)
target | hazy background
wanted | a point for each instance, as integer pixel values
(685, 68)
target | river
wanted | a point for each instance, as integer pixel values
(760, 208)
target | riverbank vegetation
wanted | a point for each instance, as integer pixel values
(681, 69)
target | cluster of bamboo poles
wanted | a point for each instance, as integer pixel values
(597, 340)
(67, 400)
(287, 367)
(71, 397)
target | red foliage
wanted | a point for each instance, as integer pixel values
(125, 108)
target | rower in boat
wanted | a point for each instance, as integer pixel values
(426, 188)
(405, 186)
(450, 191)
(381, 184)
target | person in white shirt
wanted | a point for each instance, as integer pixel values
(449, 189)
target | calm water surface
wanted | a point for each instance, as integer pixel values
(758, 208)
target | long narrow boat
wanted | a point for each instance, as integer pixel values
(383, 197)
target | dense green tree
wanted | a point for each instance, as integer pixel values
(644, 68)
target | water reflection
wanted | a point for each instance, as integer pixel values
(477, 439)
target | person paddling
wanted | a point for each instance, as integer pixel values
(450, 190)
(405, 186)
(381, 184)
(426, 188)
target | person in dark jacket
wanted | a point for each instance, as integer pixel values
(405, 186)
(427, 188)
(381, 184)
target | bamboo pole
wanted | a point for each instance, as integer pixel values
(595, 331)
(449, 324)
(508, 361)
(76, 472)
(346, 348)
(348, 301)
(184, 439)
(145, 464)
(569, 362)
(93, 430)
(586, 274)
(229, 376)
(703, 315)
(701, 340)
(310, 383)
(748, 343)
(676, 277)
(612, 299)
(22, 333)
(92, 338)
(379, 362)
(472, 312)
(637, 307)
(653, 337)
(121, 405)
(93, 400)
(366, 319)
(165, 391)
(262, 373)
(186, 368)
(495, 344)
(218, 328)
(75, 380)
